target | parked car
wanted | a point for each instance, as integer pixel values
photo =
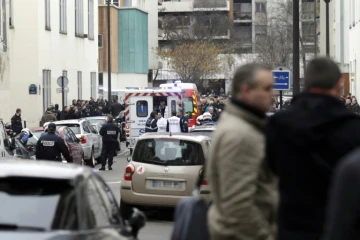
(59, 201)
(90, 140)
(164, 169)
(205, 129)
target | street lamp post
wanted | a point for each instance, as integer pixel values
(109, 53)
(296, 47)
(327, 29)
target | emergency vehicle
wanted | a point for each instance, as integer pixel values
(140, 102)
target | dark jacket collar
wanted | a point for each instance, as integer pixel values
(248, 108)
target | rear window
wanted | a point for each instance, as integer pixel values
(46, 201)
(95, 121)
(74, 127)
(169, 152)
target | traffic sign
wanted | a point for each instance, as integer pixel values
(59, 81)
(281, 80)
(60, 90)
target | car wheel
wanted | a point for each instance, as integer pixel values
(126, 210)
(91, 162)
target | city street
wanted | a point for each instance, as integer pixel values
(159, 224)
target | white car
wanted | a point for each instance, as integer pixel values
(90, 140)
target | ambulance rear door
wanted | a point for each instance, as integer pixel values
(141, 107)
(172, 105)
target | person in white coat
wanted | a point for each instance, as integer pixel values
(174, 125)
(161, 123)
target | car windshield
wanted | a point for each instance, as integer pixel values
(93, 121)
(74, 127)
(168, 152)
(25, 199)
(208, 133)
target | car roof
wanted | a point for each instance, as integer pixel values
(68, 121)
(41, 169)
(97, 117)
(181, 136)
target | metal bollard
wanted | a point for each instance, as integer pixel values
(24, 123)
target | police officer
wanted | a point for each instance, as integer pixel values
(110, 135)
(50, 146)
(151, 123)
(184, 121)
(174, 124)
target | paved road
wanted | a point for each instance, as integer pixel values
(159, 224)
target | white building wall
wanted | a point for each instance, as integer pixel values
(151, 7)
(354, 48)
(32, 49)
(123, 80)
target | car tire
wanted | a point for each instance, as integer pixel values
(91, 162)
(126, 210)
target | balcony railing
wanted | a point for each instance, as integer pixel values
(210, 4)
(242, 16)
(242, 12)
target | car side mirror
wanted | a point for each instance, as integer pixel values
(129, 159)
(77, 140)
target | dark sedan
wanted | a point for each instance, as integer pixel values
(59, 201)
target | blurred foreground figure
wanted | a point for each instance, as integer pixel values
(243, 188)
(304, 145)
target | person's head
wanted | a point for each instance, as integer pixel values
(86, 102)
(173, 113)
(253, 85)
(159, 115)
(153, 114)
(322, 75)
(179, 112)
(100, 108)
(51, 128)
(49, 109)
(211, 110)
(109, 118)
(66, 108)
(354, 101)
(18, 111)
(83, 107)
(349, 95)
(56, 106)
(353, 97)
(74, 101)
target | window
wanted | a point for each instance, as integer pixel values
(114, 2)
(127, 3)
(64, 73)
(68, 137)
(169, 152)
(261, 29)
(79, 18)
(63, 17)
(86, 128)
(74, 127)
(180, 21)
(243, 32)
(79, 81)
(47, 15)
(142, 108)
(173, 105)
(189, 106)
(97, 209)
(260, 7)
(93, 84)
(46, 89)
(11, 10)
(91, 30)
(242, 11)
(100, 41)
(101, 79)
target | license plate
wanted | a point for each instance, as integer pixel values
(167, 184)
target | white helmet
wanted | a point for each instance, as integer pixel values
(27, 131)
(207, 116)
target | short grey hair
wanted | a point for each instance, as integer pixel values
(246, 75)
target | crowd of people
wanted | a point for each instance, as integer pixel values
(81, 109)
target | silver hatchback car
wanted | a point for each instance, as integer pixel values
(163, 169)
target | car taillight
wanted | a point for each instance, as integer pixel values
(129, 171)
(127, 130)
(203, 181)
(83, 139)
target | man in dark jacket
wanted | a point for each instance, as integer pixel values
(116, 108)
(48, 117)
(110, 135)
(16, 124)
(151, 123)
(56, 111)
(71, 114)
(355, 106)
(304, 144)
(99, 112)
(50, 146)
(62, 115)
(85, 111)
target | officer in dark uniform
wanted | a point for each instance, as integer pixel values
(151, 123)
(184, 121)
(110, 135)
(50, 146)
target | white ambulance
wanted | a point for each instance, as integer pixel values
(141, 102)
